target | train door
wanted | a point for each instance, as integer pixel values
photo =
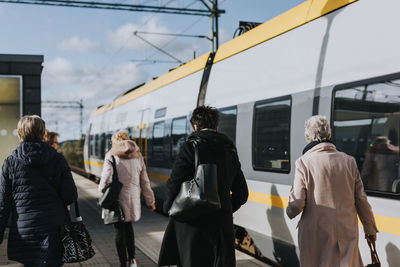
(87, 148)
(144, 133)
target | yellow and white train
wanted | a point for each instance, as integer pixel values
(337, 58)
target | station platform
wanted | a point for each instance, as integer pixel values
(149, 232)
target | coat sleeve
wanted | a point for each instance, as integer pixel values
(239, 189)
(182, 170)
(364, 210)
(5, 199)
(145, 186)
(68, 191)
(298, 192)
(106, 174)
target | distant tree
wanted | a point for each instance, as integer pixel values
(73, 152)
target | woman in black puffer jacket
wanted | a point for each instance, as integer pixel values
(35, 186)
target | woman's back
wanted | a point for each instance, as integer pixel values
(36, 183)
(132, 174)
(331, 181)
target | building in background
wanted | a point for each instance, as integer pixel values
(20, 94)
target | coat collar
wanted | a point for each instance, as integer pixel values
(322, 147)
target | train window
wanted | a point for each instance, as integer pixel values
(366, 125)
(227, 122)
(135, 133)
(178, 134)
(108, 142)
(158, 140)
(130, 133)
(97, 145)
(271, 135)
(161, 112)
(91, 145)
(102, 145)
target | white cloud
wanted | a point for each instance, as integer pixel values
(93, 84)
(60, 72)
(123, 37)
(63, 80)
(224, 36)
(82, 45)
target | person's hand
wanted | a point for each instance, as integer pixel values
(370, 238)
(152, 207)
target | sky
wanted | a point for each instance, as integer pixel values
(90, 54)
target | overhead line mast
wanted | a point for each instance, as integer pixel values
(67, 104)
(211, 10)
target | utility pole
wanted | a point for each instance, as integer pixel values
(214, 25)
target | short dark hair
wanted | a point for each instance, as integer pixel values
(50, 136)
(205, 117)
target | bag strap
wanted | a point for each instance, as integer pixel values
(374, 254)
(115, 172)
(196, 154)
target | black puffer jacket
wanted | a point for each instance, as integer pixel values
(35, 207)
(208, 240)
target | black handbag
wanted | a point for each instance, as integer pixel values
(109, 199)
(374, 255)
(76, 241)
(199, 195)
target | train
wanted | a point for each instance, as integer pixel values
(337, 58)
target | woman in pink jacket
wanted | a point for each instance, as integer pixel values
(132, 174)
(328, 191)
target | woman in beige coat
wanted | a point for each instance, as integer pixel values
(328, 190)
(132, 174)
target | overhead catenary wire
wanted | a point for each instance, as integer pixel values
(114, 6)
(173, 39)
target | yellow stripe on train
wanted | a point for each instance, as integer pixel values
(384, 223)
(94, 163)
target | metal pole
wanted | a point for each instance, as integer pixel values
(214, 25)
(81, 116)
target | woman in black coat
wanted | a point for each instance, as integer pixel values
(35, 186)
(207, 241)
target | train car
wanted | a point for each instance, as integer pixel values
(337, 58)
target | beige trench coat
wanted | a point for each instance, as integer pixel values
(133, 175)
(328, 190)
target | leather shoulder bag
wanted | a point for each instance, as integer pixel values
(198, 196)
(109, 199)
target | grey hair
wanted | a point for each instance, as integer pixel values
(317, 129)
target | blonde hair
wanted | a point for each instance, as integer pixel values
(121, 135)
(31, 128)
(317, 129)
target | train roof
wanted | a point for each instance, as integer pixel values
(295, 17)
(174, 75)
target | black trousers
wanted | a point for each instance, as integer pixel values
(125, 241)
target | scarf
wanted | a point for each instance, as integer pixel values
(314, 143)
